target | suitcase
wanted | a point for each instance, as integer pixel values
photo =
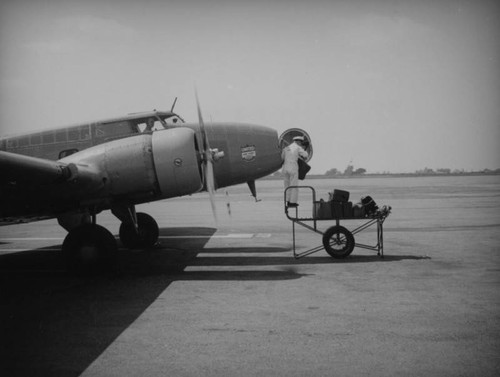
(337, 210)
(347, 210)
(323, 210)
(340, 196)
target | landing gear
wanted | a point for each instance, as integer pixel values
(89, 248)
(144, 236)
(138, 230)
(338, 242)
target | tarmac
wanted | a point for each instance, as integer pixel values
(227, 298)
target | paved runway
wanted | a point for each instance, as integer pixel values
(228, 299)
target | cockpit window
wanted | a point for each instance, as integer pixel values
(149, 125)
(175, 120)
(157, 123)
(113, 129)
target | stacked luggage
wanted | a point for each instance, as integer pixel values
(338, 206)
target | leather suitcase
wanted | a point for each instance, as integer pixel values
(340, 196)
(323, 210)
(337, 211)
(347, 210)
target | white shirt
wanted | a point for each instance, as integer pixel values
(290, 155)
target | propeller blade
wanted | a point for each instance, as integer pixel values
(211, 186)
(208, 168)
(204, 138)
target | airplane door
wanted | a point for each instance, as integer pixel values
(286, 138)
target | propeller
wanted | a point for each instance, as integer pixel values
(207, 160)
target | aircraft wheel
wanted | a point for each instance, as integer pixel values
(148, 232)
(338, 242)
(89, 248)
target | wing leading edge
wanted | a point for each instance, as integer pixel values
(34, 188)
(20, 169)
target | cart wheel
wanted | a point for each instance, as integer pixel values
(338, 241)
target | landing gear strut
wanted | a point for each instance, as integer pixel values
(89, 247)
(138, 230)
(145, 236)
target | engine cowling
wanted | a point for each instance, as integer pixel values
(139, 168)
(176, 162)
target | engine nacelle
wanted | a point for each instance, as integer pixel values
(138, 169)
(176, 162)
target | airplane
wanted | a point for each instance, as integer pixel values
(76, 172)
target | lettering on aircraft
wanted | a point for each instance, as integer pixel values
(248, 153)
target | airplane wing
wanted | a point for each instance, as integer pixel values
(19, 169)
(33, 188)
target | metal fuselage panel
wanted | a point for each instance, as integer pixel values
(250, 151)
(141, 167)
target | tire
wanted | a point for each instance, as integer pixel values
(148, 232)
(338, 242)
(89, 248)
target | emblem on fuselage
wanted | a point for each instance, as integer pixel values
(248, 153)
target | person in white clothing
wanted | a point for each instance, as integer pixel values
(290, 155)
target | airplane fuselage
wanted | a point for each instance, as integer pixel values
(140, 158)
(76, 172)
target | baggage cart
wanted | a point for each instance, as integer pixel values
(338, 241)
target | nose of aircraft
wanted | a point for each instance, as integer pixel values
(250, 151)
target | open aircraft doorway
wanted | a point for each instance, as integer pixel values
(286, 138)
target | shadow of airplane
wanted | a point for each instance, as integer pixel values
(56, 324)
(311, 260)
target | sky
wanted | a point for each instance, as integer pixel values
(387, 85)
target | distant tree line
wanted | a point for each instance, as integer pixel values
(349, 171)
(443, 171)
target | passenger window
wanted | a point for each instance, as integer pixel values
(36, 139)
(73, 135)
(48, 138)
(60, 136)
(85, 133)
(24, 142)
(12, 143)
